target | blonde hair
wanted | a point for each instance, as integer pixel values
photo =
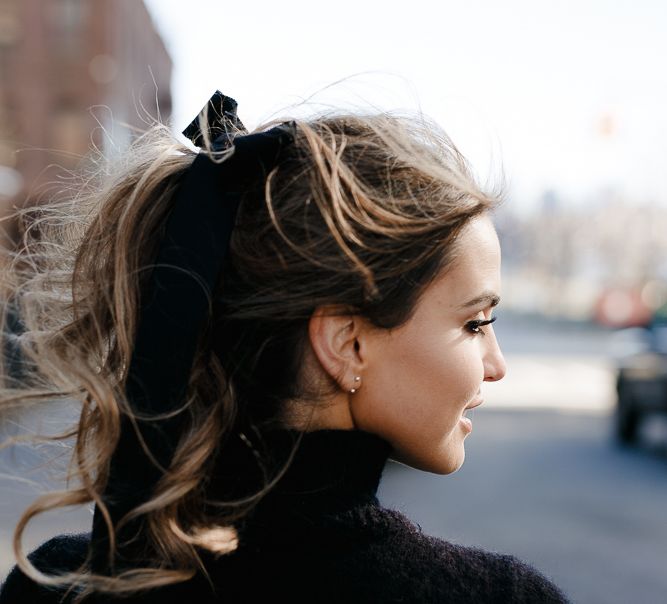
(362, 213)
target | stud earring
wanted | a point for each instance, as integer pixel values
(357, 379)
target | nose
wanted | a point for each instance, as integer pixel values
(494, 361)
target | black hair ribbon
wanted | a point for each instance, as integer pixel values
(172, 315)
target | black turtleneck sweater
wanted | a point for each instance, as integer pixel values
(322, 536)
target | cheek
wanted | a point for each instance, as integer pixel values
(453, 375)
(420, 369)
(392, 378)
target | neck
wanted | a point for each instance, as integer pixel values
(307, 416)
(330, 470)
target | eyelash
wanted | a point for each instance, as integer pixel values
(474, 326)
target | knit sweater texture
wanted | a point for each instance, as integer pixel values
(320, 535)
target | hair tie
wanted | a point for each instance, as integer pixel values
(172, 315)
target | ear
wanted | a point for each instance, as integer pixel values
(336, 337)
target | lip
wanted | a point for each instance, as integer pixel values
(475, 403)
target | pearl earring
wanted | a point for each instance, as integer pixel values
(357, 379)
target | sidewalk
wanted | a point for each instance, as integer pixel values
(572, 384)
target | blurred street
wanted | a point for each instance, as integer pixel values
(543, 479)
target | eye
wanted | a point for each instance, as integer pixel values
(475, 326)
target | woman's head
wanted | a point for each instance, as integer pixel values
(370, 221)
(361, 215)
(370, 224)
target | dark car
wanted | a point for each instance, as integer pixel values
(642, 380)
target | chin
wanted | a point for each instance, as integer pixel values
(439, 463)
(451, 465)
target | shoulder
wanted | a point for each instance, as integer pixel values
(398, 558)
(61, 554)
(66, 553)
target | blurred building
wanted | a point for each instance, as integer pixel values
(69, 69)
(604, 260)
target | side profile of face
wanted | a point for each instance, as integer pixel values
(416, 381)
(419, 379)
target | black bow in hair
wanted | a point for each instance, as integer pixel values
(218, 115)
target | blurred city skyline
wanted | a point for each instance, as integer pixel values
(564, 96)
(561, 100)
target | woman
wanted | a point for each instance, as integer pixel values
(242, 389)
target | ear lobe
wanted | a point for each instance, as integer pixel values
(333, 338)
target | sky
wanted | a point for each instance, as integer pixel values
(566, 96)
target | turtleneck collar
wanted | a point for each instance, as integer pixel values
(331, 470)
(336, 462)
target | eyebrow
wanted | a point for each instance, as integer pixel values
(487, 298)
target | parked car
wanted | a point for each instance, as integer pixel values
(641, 382)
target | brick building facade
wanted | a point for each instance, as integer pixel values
(68, 67)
